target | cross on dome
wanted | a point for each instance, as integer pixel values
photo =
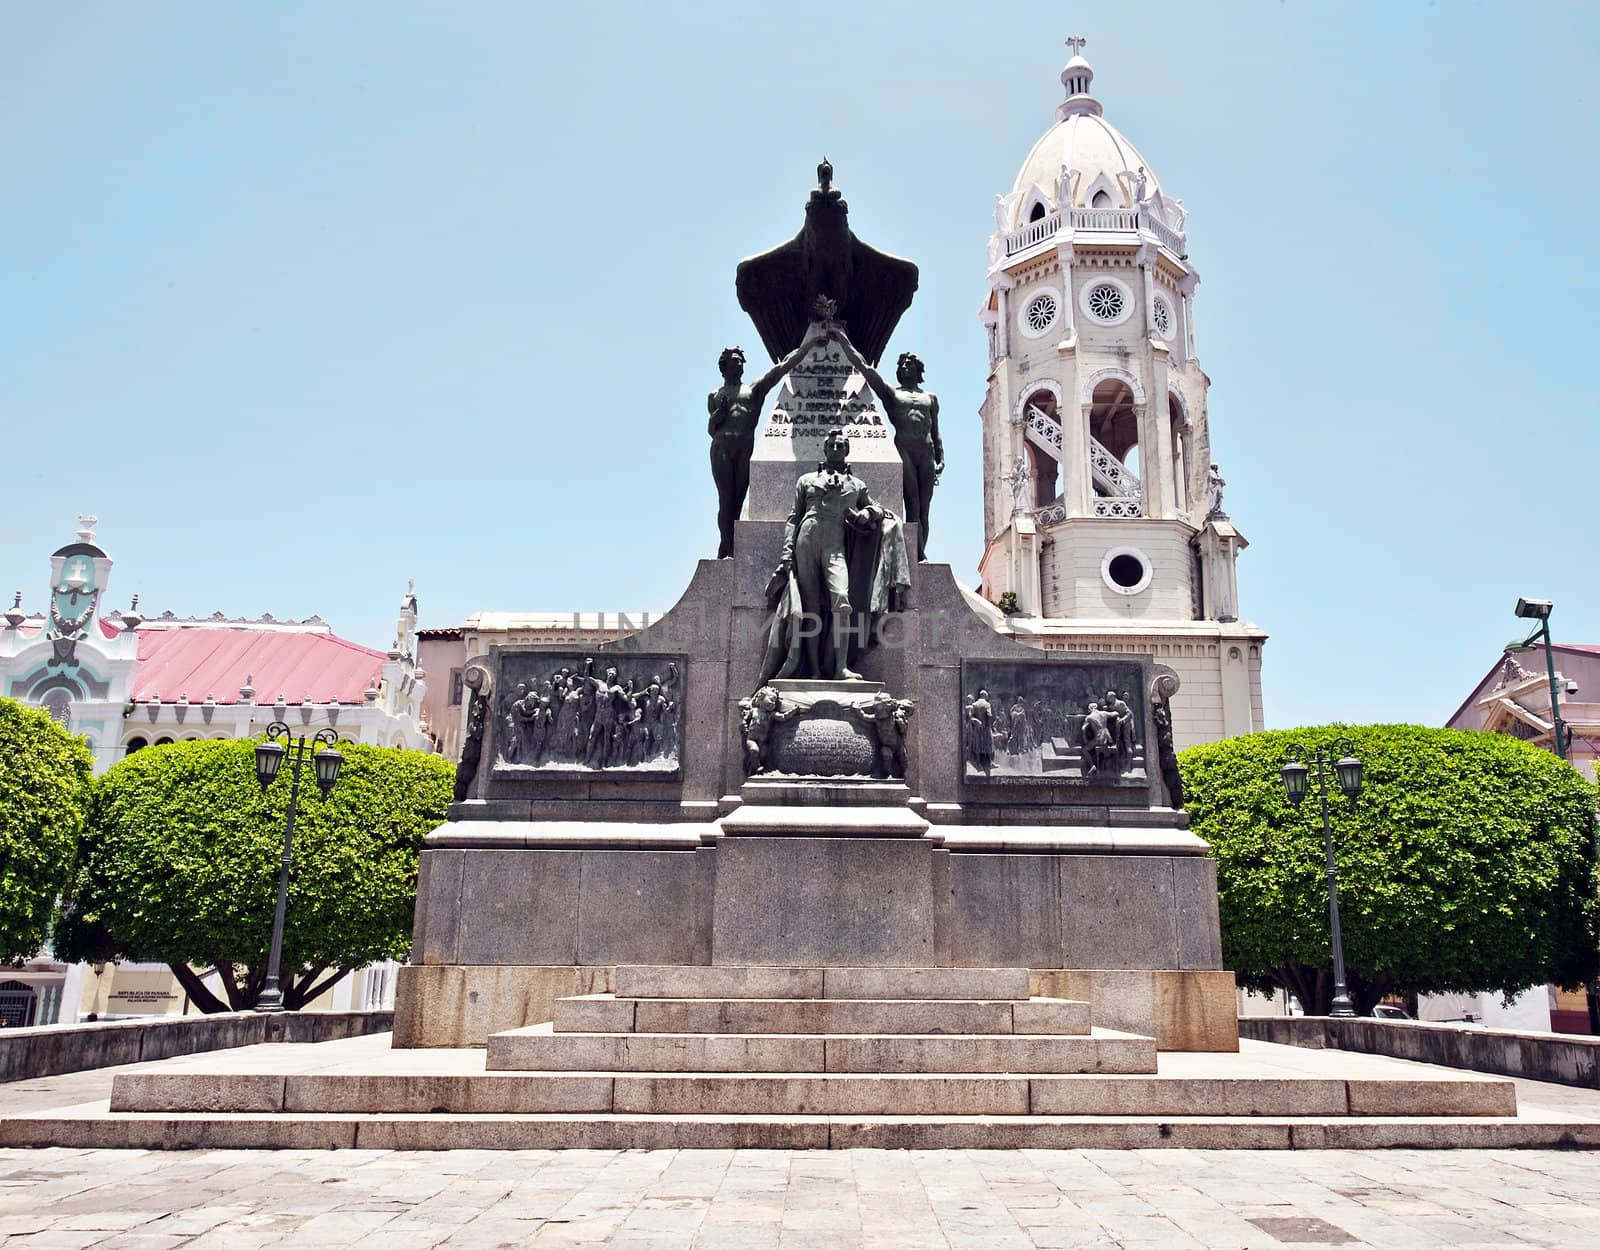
(1077, 78)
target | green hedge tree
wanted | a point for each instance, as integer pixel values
(1467, 865)
(180, 863)
(45, 779)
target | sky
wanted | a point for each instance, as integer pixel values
(308, 299)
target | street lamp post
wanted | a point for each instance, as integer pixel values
(1539, 610)
(1295, 777)
(325, 767)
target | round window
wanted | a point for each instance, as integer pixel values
(1161, 314)
(1107, 300)
(1125, 570)
(1040, 313)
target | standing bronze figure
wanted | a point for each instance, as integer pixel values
(843, 563)
(914, 413)
(735, 412)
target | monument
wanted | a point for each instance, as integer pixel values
(821, 858)
(824, 754)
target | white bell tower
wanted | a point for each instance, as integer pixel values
(1103, 512)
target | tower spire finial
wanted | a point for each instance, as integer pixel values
(1077, 78)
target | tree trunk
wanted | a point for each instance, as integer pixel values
(304, 991)
(1303, 984)
(237, 999)
(199, 992)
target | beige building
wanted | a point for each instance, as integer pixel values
(1514, 698)
(444, 652)
(1103, 516)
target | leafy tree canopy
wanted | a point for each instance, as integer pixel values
(45, 778)
(181, 864)
(1468, 863)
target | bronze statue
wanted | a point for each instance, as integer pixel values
(843, 562)
(914, 413)
(1099, 737)
(980, 732)
(735, 412)
(779, 288)
(758, 716)
(889, 718)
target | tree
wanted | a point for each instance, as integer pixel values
(45, 779)
(1468, 864)
(180, 863)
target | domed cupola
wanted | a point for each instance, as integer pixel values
(1084, 174)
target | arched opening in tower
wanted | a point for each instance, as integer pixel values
(1043, 467)
(1114, 425)
(1180, 453)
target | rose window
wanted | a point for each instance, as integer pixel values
(1106, 302)
(1041, 312)
(1163, 318)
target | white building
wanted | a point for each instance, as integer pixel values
(1103, 512)
(126, 682)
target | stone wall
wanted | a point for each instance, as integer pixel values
(53, 1049)
(1536, 1056)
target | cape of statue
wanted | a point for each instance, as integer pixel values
(780, 288)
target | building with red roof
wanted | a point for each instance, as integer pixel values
(126, 681)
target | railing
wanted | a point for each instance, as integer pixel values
(1044, 430)
(1051, 513)
(1102, 219)
(1171, 239)
(1114, 477)
(1124, 495)
(1032, 233)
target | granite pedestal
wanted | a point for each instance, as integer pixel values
(546, 879)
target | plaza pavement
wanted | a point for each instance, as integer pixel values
(799, 1200)
(794, 1200)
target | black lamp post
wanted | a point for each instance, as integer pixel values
(1295, 778)
(1539, 610)
(325, 767)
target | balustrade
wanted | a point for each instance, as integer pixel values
(1033, 232)
(1102, 219)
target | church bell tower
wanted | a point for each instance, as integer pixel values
(1103, 511)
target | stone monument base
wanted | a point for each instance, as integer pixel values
(800, 1057)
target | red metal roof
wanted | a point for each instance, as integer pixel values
(300, 666)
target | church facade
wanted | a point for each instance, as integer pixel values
(1104, 523)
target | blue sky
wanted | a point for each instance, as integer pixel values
(306, 299)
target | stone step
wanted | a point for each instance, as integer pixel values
(539, 1048)
(782, 1094)
(678, 981)
(91, 1127)
(762, 820)
(606, 1013)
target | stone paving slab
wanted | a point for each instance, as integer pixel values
(800, 1200)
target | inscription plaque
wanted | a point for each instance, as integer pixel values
(822, 392)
